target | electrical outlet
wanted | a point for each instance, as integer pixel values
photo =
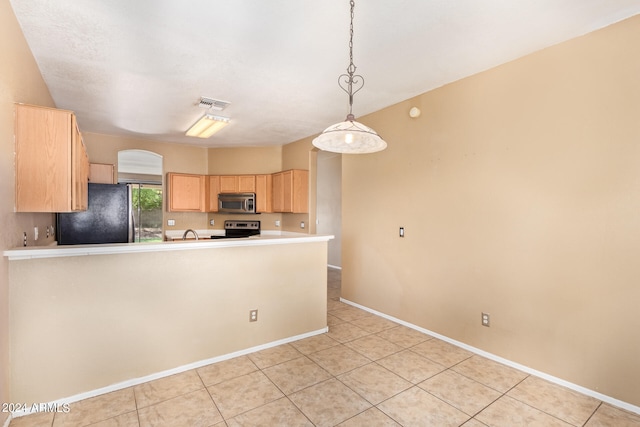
(277, 223)
(401, 232)
(485, 320)
(171, 222)
(36, 233)
(211, 222)
(253, 315)
(302, 224)
(24, 238)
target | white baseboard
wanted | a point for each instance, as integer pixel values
(158, 375)
(608, 399)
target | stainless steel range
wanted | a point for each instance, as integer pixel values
(237, 229)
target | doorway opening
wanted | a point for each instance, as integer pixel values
(142, 171)
(329, 203)
(146, 208)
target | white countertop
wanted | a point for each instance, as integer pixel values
(265, 238)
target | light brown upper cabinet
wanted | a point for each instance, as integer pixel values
(237, 183)
(187, 192)
(52, 166)
(101, 173)
(291, 191)
(264, 192)
(213, 188)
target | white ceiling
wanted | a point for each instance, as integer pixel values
(138, 67)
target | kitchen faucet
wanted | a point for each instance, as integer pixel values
(184, 236)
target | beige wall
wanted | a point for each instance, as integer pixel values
(527, 183)
(263, 160)
(214, 161)
(245, 160)
(519, 189)
(175, 158)
(20, 81)
(155, 312)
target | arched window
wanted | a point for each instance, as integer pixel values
(142, 171)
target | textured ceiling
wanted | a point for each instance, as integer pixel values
(139, 67)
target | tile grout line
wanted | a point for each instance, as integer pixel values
(471, 379)
(600, 402)
(215, 405)
(135, 401)
(593, 413)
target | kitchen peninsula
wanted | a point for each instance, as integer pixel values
(89, 319)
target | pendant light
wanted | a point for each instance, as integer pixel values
(350, 136)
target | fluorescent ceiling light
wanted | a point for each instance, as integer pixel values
(207, 126)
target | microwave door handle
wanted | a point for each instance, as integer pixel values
(246, 204)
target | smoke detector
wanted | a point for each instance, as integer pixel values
(212, 104)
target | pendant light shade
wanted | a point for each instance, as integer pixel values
(350, 136)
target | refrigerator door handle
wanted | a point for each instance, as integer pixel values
(132, 227)
(132, 222)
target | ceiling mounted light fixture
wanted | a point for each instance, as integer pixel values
(207, 125)
(350, 136)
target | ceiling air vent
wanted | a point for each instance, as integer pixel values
(213, 104)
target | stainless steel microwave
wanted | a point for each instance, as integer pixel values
(237, 203)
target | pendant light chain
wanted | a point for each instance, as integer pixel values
(352, 68)
(350, 136)
(351, 78)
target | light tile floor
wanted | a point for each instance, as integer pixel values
(366, 371)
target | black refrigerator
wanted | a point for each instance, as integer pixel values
(106, 220)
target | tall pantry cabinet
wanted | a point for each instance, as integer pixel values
(52, 166)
